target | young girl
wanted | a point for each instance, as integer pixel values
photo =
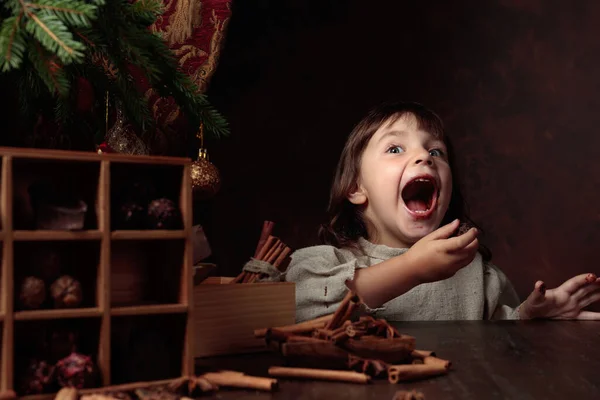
(392, 237)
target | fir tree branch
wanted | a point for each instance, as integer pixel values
(72, 12)
(51, 73)
(52, 33)
(12, 43)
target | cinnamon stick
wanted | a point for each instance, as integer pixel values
(301, 327)
(340, 312)
(319, 374)
(234, 379)
(394, 350)
(315, 350)
(303, 339)
(430, 360)
(266, 248)
(271, 250)
(353, 304)
(409, 372)
(126, 387)
(276, 252)
(267, 229)
(282, 257)
(422, 353)
(239, 278)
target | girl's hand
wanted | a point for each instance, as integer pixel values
(439, 256)
(564, 302)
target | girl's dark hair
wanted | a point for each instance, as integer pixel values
(345, 220)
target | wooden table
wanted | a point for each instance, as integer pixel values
(491, 360)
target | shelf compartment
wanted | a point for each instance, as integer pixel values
(146, 272)
(39, 182)
(135, 186)
(50, 341)
(146, 348)
(48, 261)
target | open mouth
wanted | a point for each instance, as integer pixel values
(420, 195)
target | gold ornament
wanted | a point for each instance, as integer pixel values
(206, 179)
(121, 138)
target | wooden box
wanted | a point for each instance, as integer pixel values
(226, 315)
(99, 256)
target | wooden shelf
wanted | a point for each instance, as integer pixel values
(97, 177)
(57, 314)
(149, 310)
(148, 235)
(56, 235)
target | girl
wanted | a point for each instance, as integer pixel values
(395, 208)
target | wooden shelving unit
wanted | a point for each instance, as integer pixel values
(100, 250)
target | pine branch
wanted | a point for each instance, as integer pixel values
(51, 73)
(74, 13)
(12, 44)
(54, 35)
(145, 11)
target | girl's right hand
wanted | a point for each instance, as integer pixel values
(439, 256)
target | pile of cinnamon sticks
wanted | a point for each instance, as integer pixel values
(269, 249)
(370, 347)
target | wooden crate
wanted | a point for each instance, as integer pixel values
(94, 252)
(226, 315)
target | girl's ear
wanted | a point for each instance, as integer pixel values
(358, 195)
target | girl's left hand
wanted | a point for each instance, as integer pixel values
(564, 302)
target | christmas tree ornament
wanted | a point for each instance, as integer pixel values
(76, 370)
(164, 214)
(121, 138)
(206, 179)
(38, 378)
(33, 292)
(66, 292)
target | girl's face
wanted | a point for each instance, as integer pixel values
(405, 183)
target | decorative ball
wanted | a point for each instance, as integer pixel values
(33, 292)
(131, 215)
(164, 214)
(66, 292)
(206, 179)
(76, 370)
(37, 378)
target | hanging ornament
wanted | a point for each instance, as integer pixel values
(206, 179)
(120, 138)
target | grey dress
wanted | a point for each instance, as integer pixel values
(478, 291)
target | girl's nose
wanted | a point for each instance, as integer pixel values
(424, 158)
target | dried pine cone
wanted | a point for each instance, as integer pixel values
(66, 292)
(76, 370)
(33, 292)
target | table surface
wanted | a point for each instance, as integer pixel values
(490, 360)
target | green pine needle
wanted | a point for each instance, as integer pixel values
(12, 44)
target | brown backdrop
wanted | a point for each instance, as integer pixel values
(517, 83)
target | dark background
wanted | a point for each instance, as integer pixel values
(517, 83)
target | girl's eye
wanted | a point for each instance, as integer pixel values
(436, 153)
(395, 149)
